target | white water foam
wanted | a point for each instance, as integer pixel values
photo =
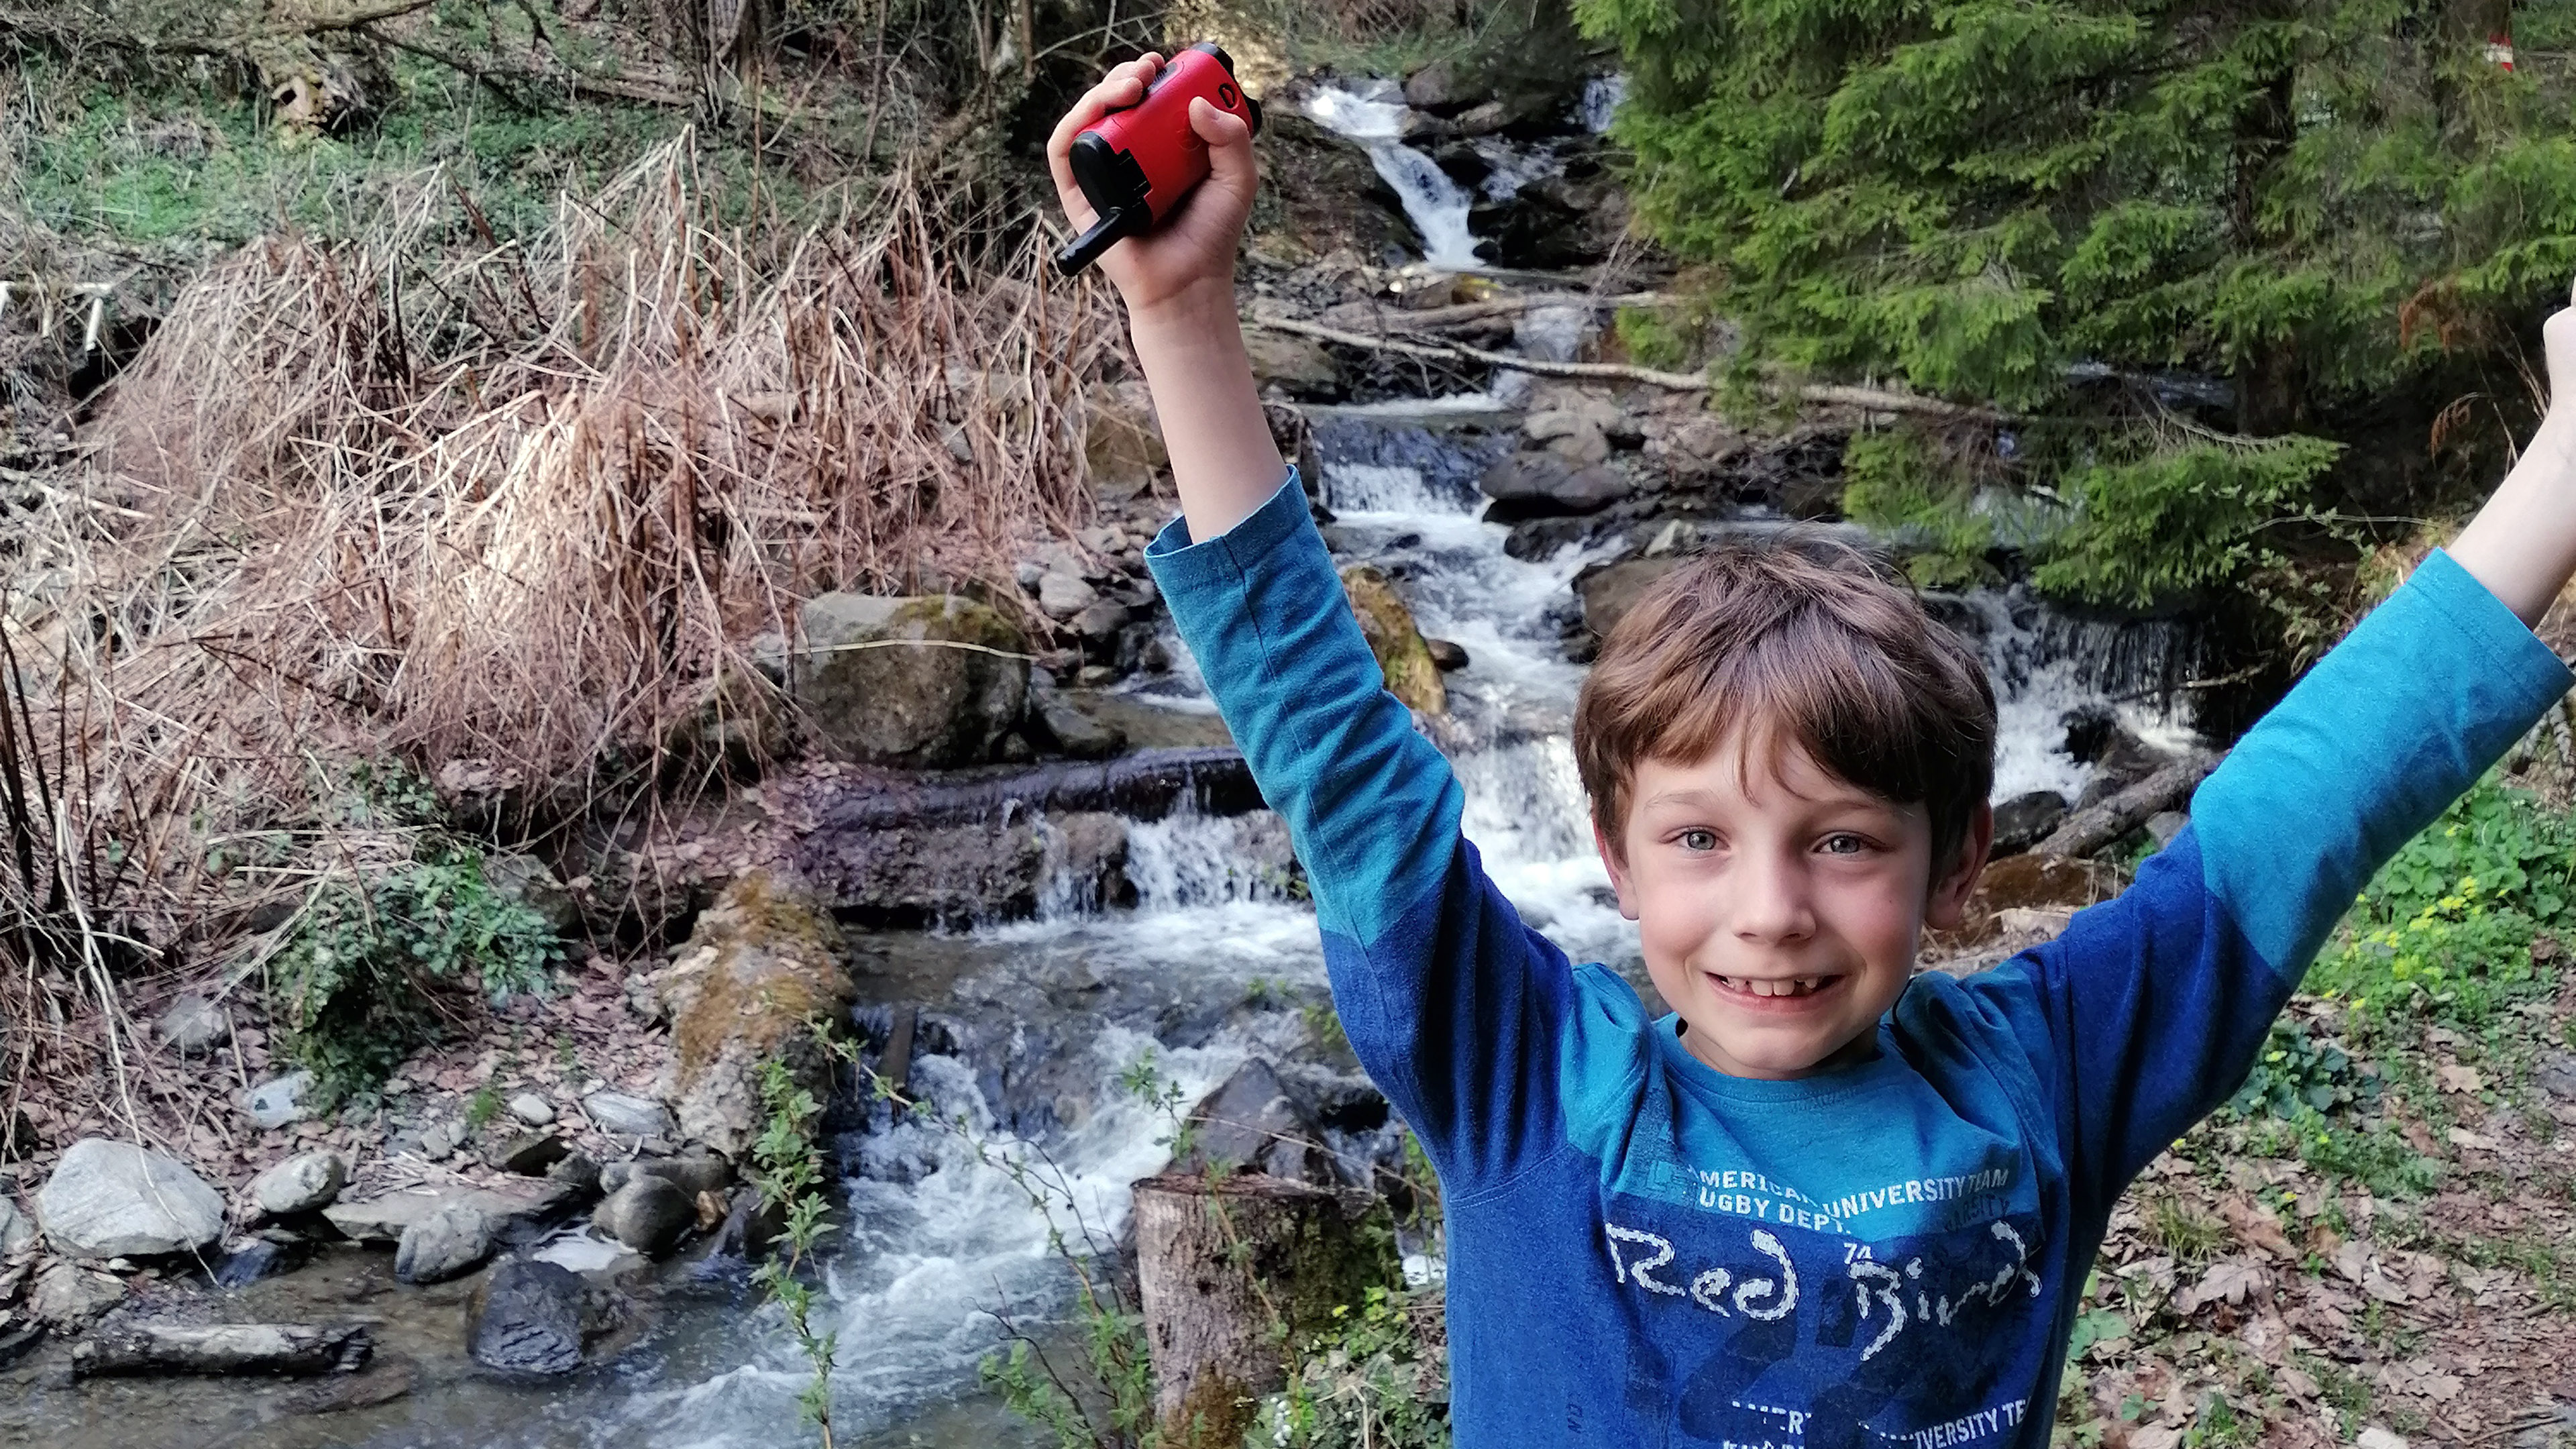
(1436, 204)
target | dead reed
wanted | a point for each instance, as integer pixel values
(440, 498)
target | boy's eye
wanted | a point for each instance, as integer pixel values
(1843, 843)
(1697, 840)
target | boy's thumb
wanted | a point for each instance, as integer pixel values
(1229, 143)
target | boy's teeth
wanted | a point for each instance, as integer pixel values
(1766, 986)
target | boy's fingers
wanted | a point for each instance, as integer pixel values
(1229, 143)
(1123, 86)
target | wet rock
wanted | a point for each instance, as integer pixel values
(193, 1026)
(1610, 591)
(15, 1231)
(649, 1214)
(280, 1101)
(1550, 222)
(303, 1183)
(762, 966)
(528, 1317)
(530, 1154)
(1061, 596)
(295, 1349)
(691, 1175)
(1099, 625)
(578, 1171)
(621, 1114)
(520, 877)
(2025, 820)
(1446, 654)
(532, 1109)
(17, 1343)
(751, 1225)
(448, 1243)
(381, 1384)
(1392, 636)
(249, 1260)
(1439, 88)
(1573, 436)
(1073, 729)
(913, 702)
(116, 1200)
(1298, 364)
(518, 1209)
(1538, 485)
(930, 874)
(66, 1297)
(1251, 1123)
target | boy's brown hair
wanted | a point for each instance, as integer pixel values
(1793, 636)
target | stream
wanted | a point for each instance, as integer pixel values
(1213, 965)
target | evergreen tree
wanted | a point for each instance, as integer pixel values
(2344, 210)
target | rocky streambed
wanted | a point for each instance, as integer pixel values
(1025, 872)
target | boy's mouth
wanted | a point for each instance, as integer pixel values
(1774, 988)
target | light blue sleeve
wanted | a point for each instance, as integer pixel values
(1372, 806)
(2383, 734)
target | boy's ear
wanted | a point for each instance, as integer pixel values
(1618, 872)
(1948, 903)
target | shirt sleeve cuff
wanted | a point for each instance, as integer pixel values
(1181, 565)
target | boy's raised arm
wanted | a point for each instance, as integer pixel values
(2522, 544)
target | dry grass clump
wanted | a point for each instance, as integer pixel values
(442, 500)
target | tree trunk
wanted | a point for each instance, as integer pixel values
(238, 1348)
(2270, 398)
(1231, 1272)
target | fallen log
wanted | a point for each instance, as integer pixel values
(1230, 1271)
(288, 1349)
(2099, 824)
(1430, 319)
(1873, 399)
(1146, 785)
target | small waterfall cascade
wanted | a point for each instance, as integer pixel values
(1437, 205)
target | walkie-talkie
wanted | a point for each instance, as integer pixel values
(1138, 162)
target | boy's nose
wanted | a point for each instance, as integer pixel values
(1774, 900)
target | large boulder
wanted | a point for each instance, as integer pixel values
(1551, 223)
(926, 683)
(116, 1200)
(449, 1243)
(1543, 484)
(1609, 592)
(648, 1214)
(761, 972)
(1411, 674)
(518, 1208)
(529, 1317)
(622, 1114)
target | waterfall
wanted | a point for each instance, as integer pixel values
(1437, 205)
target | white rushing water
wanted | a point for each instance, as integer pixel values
(1374, 117)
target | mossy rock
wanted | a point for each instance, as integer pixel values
(931, 682)
(1392, 636)
(761, 974)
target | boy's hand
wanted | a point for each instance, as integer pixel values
(1188, 259)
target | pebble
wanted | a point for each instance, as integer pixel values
(66, 1297)
(648, 1214)
(439, 1139)
(193, 1026)
(449, 1243)
(621, 1115)
(280, 1101)
(532, 1109)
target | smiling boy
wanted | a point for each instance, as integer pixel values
(1824, 1201)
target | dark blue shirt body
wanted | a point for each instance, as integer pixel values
(1643, 1251)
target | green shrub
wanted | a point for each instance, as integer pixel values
(1378, 1377)
(358, 987)
(2296, 1071)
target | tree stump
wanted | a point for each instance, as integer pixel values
(1231, 1272)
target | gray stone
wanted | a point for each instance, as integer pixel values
(1438, 88)
(1075, 731)
(621, 1115)
(439, 1139)
(2164, 825)
(527, 880)
(2556, 1075)
(1446, 654)
(251, 1259)
(648, 1214)
(449, 1243)
(1540, 485)
(925, 683)
(66, 1297)
(1582, 447)
(1297, 363)
(116, 1200)
(528, 1317)
(280, 1101)
(532, 1109)
(1099, 624)
(1063, 595)
(300, 1184)
(1247, 1121)
(517, 1207)
(15, 1231)
(193, 1026)
(764, 967)
(1608, 593)
(577, 1170)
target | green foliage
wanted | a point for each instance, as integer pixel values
(358, 984)
(2335, 204)
(482, 1107)
(2446, 928)
(1897, 488)
(788, 1169)
(1651, 338)
(2297, 1071)
(1377, 1377)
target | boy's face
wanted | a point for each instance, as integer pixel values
(1780, 907)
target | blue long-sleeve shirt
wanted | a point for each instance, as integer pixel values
(1643, 1251)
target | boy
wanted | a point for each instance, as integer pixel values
(1825, 1202)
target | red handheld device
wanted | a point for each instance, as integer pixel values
(1140, 160)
